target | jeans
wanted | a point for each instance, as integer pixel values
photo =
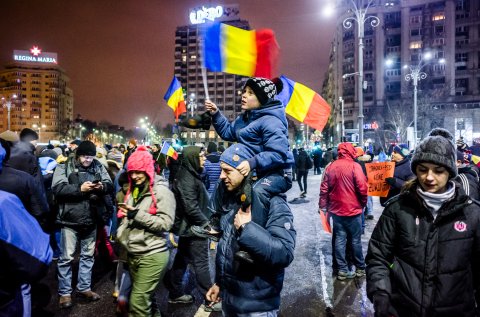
(146, 272)
(68, 243)
(345, 229)
(302, 175)
(271, 313)
(195, 251)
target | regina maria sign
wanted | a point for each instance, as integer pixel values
(35, 55)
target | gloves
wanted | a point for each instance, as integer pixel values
(132, 213)
(391, 181)
(381, 304)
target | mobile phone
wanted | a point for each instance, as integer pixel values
(96, 181)
(123, 205)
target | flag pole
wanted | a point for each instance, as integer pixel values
(204, 70)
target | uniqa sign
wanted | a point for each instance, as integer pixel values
(209, 14)
(35, 55)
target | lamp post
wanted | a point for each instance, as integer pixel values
(342, 102)
(39, 127)
(7, 103)
(361, 18)
(192, 103)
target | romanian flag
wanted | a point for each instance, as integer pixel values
(168, 150)
(228, 49)
(174, 98)
(304, 104)
(475, 160)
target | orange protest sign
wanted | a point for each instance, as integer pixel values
(325, 223)
(376, 174)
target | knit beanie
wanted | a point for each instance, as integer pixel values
(86, 148)
(437, 148)
(141, 160)
(265, 89)
(76, 142)
(401, 149)
(28, 135)
(9, 136)
(236, 154)
(115, 155)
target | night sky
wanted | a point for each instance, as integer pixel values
(119, 53)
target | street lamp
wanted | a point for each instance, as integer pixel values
(7, 103)
(192, 103)
(361, 18)
(416, 74)
(340, 99)
(39, 127)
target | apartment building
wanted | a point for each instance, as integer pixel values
(440, 39)
(35, 95)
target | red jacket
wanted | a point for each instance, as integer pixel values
(343, 191)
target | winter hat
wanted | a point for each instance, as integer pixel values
(212, 147)
(265, 89)
(115, 155)
(401, 149)
(359, 151)
(9, 136)
(437, 148)
(76, 142)
(49, 153)
(236, 154)
(58, 151)
(86, 148)
(28, 135)
(141, 160)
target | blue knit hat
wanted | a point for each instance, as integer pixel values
(236, 154)
(401, 149)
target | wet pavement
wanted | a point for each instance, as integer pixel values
(309, 290)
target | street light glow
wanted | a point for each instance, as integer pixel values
(328, 10)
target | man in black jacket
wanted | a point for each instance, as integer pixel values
(79, 186)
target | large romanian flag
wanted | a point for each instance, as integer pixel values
(228, 49)
(174, 98)
(304, 104)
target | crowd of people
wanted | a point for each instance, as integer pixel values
(78, 200)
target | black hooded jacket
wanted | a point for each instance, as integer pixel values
(428, 267)
(190, 193)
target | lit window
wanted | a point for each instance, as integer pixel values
(415, 45)
(438, 17)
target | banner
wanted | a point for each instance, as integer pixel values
(376, 174)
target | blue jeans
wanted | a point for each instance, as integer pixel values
(68, 243)
(348, 229)
(271, 313)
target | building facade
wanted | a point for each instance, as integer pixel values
(36, 90)
(440, 36)
(223, 89)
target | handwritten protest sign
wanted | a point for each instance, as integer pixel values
(376, 174)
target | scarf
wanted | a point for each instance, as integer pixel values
(435, 201)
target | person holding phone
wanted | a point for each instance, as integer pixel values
(81, 202)
(147, 213)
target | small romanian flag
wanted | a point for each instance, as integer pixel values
(304, 104)
(241, 52)
(168, 150)
(174, 98)
(475, 160)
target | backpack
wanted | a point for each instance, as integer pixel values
(309, 162)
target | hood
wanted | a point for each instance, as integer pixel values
(191, 158)
(271, 108)
(346, 151)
